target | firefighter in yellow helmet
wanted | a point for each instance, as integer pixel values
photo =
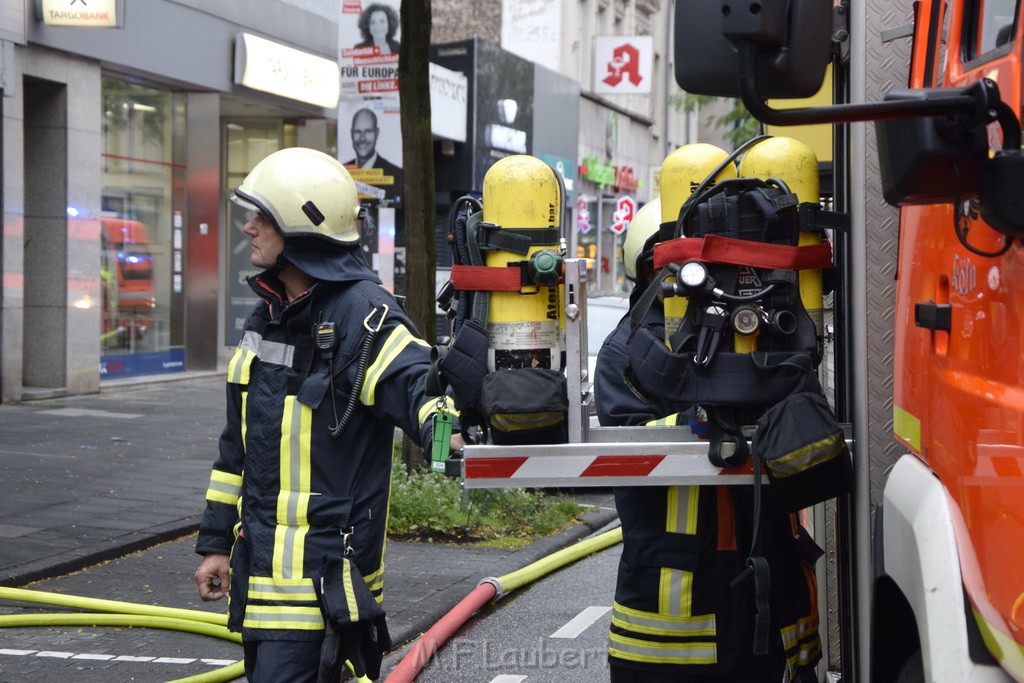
(327, 366)
(675, 617)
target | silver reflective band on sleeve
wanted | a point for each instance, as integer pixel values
(224, 487)
(241, 360)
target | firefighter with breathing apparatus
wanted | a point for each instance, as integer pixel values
(328, 366)
(676, 615)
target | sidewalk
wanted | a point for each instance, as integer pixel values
(90, 478)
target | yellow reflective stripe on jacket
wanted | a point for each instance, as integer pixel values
(350, 594)
(296, 608)
(271, 589)
(244, 423)
(636, 650)
(430, 407)
(669, 421)
(253, 346)
(293, 498)
(681, 511)
(655, 624)
(238, 367)
(375, 582)
(675, 592)
(512, 422)
(813, 454)
(399, 338)
(675, 589)
(224, 487)
(801, 641)
(283, 617)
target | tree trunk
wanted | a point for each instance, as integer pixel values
(418, 163)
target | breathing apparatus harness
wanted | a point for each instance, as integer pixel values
(746, 349)
(734, 254)
(463, 365)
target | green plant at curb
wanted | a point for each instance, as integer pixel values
(431, 507)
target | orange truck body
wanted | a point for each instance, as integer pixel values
(959, 395)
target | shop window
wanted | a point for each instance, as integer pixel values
(140, 267)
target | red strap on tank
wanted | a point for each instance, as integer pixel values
(718, 249)
(487, 278)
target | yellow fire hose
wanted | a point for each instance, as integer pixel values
(126, 614)
(129, 614)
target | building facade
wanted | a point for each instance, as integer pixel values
(125, 126)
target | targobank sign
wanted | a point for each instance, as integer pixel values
(83, 13)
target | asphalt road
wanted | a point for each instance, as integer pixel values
(554, 630)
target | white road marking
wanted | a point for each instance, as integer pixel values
(581, 622)
(173, 660)
(114, 658)
(508, 678)
(88, 412)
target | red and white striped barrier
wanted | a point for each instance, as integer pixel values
(620, 463)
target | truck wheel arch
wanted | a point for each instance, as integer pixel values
(918, 582)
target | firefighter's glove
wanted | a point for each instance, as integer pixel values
(356, 631)
(361, 646)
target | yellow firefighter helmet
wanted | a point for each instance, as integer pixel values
(306, 193)
(637, 247)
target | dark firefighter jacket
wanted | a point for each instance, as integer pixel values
(284, 493)
(674, 609)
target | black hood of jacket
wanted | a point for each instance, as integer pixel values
(328, 261)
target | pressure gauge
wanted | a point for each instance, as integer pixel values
(693, 274)
(746, 320)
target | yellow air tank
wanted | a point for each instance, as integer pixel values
(526, 328)
(795, 164)
(681, 172)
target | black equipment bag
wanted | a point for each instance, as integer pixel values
(526, 406)
(804, 451)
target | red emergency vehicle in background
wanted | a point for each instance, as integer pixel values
(128, 293)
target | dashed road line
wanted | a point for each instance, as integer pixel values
(88, 412)
(581, 622)
(56, 654)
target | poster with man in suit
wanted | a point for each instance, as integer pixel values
(375, 155)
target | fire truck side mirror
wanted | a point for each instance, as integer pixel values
(790, 50)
